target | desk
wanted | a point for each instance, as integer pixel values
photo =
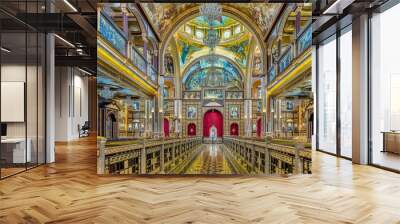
(391, 142)
(13, 150)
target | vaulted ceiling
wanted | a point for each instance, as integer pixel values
(163, 15)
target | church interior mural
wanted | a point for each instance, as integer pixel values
(227, 84)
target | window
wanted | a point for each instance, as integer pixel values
(346, 93)
(327, 95)
(385, 89)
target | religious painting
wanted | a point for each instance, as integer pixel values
(213, 94)
(136, 105)
(161, 15)
(219, 74)
(234, 95)
(234, 111)
(192, 112)
(165, 92)
(190, 95)
(169, 65)
(241, 51)
(289, 105)
(165, 105)
(259, 106)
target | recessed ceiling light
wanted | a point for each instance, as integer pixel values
(86, 72)
(64, 40)
(70, 5)
(5, 50)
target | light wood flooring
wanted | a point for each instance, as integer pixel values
(69, 191)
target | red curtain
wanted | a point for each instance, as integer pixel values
(259, 127)
(234, 129)
(166, 127)
(213, 117)
(191, 129)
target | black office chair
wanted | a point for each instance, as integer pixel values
(84, 130)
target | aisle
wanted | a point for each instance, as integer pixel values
(210, 160)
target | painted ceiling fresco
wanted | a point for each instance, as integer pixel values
(186, 49)
(240, 50)
(203, 74)
(222, 21)
(161, 15)
(188, 46)
(263, 14)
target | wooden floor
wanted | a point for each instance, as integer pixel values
(69, 191)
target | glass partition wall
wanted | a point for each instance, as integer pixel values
(327, 95)
(334, 94)
(22, 77)
(385, 89)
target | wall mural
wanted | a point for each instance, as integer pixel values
(263, 14)
(234, 111)
(169, 65)
(185, 50)
(241, 51)
(161, 15)
(223, 74)
(192, 112)
(213, 94)
(208, 106)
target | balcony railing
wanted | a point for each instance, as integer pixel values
(285, 59)
(271, 74)
(152, 72)
(138, 60)
(146, 156)
(304, 40)
(113, 34)
(110, 31)
(144, 66)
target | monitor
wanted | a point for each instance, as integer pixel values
(3, 129)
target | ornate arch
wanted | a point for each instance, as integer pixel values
(194, 12)
(143, 27)
(184, 73)
(277, 30)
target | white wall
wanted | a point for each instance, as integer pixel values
(71, 102)
(33, 126)
(14, 73)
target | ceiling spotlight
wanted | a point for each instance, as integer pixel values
(65, 41)
(86, 72)
(70, 5)
(5, 50)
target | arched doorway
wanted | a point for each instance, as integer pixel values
(259, 127)
(111, 126)
(234, 130)
(212, 118)
(191, 129)
(166, 127)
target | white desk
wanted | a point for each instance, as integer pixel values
(18, 149)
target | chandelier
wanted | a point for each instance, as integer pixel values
(212, 58)
(210, 11)
(212, 38)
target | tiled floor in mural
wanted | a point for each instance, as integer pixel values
(211, 160)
